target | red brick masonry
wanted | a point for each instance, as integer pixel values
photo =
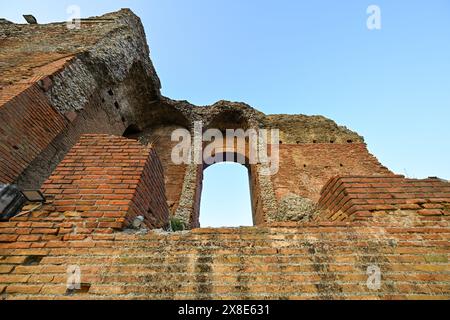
(107, 181)
(280, 261)
(28, 125)
(358, 197)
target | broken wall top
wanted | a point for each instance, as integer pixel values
(28, 53)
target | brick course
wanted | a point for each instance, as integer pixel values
(306, 167)
(109, 181)
(29, 124)
(359, 197)
(277, 261)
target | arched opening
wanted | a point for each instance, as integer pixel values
(226, 196)
(132, 132)
(229, 119)
(228, 191)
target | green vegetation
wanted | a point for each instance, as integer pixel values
(176, 224)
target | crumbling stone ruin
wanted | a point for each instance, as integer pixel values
(83, 120)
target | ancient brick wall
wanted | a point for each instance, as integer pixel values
(363, 197)
(96, 117)
(278, 261)
(106, 181)
(28, 125)
(150, 198)
(174, 174)
(305, 168)
(28, 121)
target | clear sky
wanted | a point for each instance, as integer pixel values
(313, 57)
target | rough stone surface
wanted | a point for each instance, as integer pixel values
(295, 208)
(297, 129)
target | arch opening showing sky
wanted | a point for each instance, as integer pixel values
(225, 200)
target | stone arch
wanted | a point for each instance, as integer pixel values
(160, 113)
(132, 131)
(229, 119)
(230, 155)
(225, 115)
(233, 157)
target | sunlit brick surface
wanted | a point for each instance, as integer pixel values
(361, 197)
(288, 261)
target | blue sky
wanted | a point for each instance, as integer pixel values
(312, 57)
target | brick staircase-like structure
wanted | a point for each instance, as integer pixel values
(363, 197)
(280, 261)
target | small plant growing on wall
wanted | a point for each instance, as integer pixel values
(176, 224)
